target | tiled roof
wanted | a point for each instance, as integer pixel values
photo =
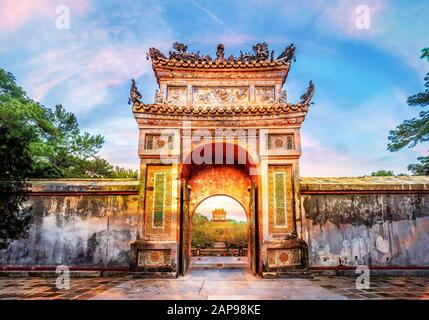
(274, 108)
(220, 64)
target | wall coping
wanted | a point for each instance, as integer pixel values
(110, 186)
(401, 183)
(308, 185)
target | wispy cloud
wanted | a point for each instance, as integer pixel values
(14, 14)
(213, 16)
(85, 76)
(396, 27)
(86, 62)
(353, 141)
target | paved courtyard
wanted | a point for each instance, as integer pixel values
(229, 284)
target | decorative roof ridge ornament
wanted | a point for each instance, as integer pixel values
(288, 54)
(261, 54)
(135, 94)
(220, 53)
(308, 95)
(155, 55)
(181, 53)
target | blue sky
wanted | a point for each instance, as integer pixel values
(362, 77)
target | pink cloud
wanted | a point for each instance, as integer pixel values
(338, 18)
(341, 16)
(14, 14)
(83, 72)
(80, 71)
(421, 150)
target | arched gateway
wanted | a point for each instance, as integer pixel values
(220, 126)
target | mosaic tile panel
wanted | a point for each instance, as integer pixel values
(158, 141)
(158, 200)
(279, 199)
(154, 258)
(284, 257)
(278, 142)
(280, 215)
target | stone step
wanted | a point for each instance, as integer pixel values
(50, 274)
(292, 274)
(219, 265)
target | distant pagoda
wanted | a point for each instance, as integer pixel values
(219, 215)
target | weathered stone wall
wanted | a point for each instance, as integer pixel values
(373, 221)
(92, 223)
(78, 223)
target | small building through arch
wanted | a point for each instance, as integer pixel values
(220, 234)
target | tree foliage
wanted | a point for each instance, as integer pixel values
(37, 142)
(56, 145)
(416, 130)
(205, 232)
(382, 173)
(15, 216)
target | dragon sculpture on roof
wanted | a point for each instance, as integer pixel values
(260, 52)
(308, 95)
(135, 94)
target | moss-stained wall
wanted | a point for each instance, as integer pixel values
(79, 223)
(345, 221)
(371, 221)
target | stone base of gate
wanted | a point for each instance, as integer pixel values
(154, 259)
(285, 258)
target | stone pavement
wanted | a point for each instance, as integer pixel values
(226, 284)
(229, 262)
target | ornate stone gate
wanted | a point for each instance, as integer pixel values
(219, 114)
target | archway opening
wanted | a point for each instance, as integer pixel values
(219, 233)
(231, 177)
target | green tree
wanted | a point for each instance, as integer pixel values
(209, 232)
(382, 173)
(119, 172)
(200, 230)
(56, 145)
(414, 131)
(37, 142)
(15, 215)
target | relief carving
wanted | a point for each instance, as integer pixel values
(265, 94)
(158, 96)
(284, 257)
(177, 95)
(220, 95)
(282, 97)
(158, 141)
(154, 258)
(280, 142)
